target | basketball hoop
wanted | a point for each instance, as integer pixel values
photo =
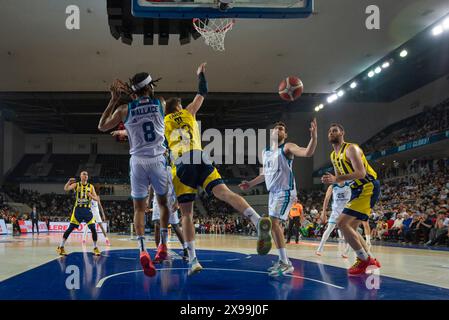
(214, 31)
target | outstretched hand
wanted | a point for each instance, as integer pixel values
(244, 185)
(328, 178)
(201, 68)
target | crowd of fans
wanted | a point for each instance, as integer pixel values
(424, 124)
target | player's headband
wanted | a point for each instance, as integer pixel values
(147, 81)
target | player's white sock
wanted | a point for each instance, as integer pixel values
(191, 249)
(184, 245)
(251, 214)
(326, 234)
(62, 242)
(361, 254)
(283, 255)
(95, 244)
(164, 235)
(141, 243)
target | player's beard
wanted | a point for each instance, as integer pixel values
(334, 140)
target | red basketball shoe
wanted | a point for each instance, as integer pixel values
(360, 266)
(161, 254)
(147, 265)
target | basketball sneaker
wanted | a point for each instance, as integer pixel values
(161, 254)
(274, 266)
(264, 236)
(147, 265)
(61, 251)
(318, 253)
(96, 252)
(360, 266)
(377, 263)
(282, 269)
(195, 267)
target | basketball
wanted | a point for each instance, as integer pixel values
(291, 88)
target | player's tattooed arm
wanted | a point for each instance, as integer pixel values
(70, 185)
(292, 149)
(326, 203)
(197, 102)
(110, 118)
(245, 185)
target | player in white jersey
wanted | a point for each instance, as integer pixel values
(96, 207)
(279, 180)
(341, 194)
(173, 220)
(144, 123)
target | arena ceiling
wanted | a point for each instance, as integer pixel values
(49, 72)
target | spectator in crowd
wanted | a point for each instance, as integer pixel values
(397, 227)
(440, 231)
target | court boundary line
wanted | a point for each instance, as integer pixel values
(103, 280)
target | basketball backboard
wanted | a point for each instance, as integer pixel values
(255, 9)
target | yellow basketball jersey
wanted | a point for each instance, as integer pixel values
(182, 133)
(82, 199)
(344, 166)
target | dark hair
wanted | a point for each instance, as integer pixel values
(280, 124)
(339, 126)
(171, 105)
(139, 77)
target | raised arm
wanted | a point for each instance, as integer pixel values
(295, 150)
(110, 118)
(197, 102)
(327, 198)
(70, 185)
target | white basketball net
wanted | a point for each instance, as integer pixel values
(214, 31)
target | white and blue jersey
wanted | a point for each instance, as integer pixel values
(146, 133)
(340, 197)
(145, 127)
(280, 182)
(277, 169)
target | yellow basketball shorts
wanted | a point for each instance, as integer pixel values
(80, 215)
(363, 200)
(187, 178)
